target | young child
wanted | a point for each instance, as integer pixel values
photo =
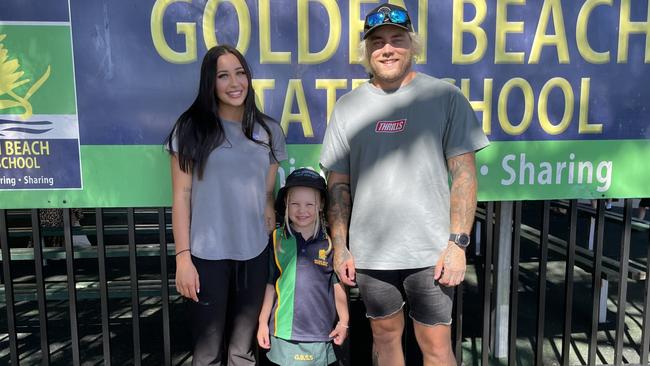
(303, 296)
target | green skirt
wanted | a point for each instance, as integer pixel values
(289, 353)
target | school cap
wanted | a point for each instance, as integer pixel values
(303, 177)
(386, 14)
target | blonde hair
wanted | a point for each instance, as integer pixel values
(364, 57)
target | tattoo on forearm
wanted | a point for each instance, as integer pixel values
(375, 358)
(187, 195)
(463, 191)
(340, 196)
(340, 206)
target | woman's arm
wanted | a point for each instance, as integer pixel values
(187, 279)
(340, 332)
(269, 209)
(265, 314)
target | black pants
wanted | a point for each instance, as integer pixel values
(224, 321)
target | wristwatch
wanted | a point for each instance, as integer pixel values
(462, 239)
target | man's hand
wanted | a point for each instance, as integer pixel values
(344, 266)
(450, 269)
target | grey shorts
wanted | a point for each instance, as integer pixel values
(383, 293)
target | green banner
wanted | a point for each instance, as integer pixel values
(506, 171)
(535, 170)
(532, 170)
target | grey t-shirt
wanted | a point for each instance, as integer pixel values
(394, 146)
(227, 219)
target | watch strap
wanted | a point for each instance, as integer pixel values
(456, 238)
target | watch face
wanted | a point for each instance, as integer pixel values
(463, 240)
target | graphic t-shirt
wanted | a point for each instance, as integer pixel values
(395, 146)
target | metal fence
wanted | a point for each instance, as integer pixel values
(537, 289)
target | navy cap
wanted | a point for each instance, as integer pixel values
(303, 177)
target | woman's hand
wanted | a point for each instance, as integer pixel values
(187, 278)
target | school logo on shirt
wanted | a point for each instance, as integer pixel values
(261, 135)
(390, 126)
(322, 258)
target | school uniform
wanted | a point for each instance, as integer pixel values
(304, 311)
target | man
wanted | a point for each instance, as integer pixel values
(389, 150)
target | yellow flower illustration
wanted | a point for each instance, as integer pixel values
(10, 79)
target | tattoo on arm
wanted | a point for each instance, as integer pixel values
(340, 206)
(463, 192)
(375, 358)
(187, 194)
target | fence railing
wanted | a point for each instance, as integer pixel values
(537, 289)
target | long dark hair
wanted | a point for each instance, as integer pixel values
(199, 129)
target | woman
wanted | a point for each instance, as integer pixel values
(224, 158)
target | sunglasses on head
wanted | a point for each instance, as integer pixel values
(386, 15)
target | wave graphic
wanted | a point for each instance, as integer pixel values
(28, 128)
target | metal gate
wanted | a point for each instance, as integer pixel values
(548, 282)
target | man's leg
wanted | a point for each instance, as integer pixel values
(430, 308)
(435, 343)
(387, 340)
(382, 296)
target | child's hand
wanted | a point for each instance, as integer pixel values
(263, 336)
(339, 334)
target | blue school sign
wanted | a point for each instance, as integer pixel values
(559, 86)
